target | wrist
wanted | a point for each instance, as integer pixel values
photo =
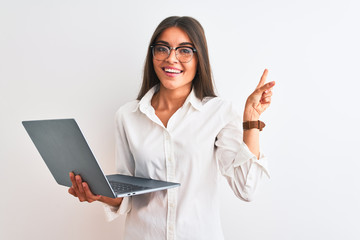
(252, 125)
(115, 202)
(250, 115)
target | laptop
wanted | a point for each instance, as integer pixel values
(64, 149)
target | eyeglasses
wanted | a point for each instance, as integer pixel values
(182, 53)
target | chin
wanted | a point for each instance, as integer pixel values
(170, 86)
(173, 85)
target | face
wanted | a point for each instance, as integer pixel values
(171, 72)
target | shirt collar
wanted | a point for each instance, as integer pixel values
(145, 103)
(194, 101)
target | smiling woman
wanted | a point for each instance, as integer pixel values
(179, 131)
(193, 37)
(173, 73)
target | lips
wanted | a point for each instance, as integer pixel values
(171, 70)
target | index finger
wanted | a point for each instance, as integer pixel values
(72, 179)
(262, 79)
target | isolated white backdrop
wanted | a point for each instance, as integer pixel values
(84, 59)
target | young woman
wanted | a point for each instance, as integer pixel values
(179, 131)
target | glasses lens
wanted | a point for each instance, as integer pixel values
(184, 54)
(160, 52)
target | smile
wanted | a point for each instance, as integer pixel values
(172, 70)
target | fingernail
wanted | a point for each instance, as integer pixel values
(272, 83)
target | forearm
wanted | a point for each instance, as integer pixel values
(115, 202)
(251, 136)
(251, 139)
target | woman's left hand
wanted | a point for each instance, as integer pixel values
(259, 100)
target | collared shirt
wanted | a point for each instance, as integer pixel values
(202, 138)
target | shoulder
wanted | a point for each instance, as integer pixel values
(127, 109)
(224, 110)
(219, 104)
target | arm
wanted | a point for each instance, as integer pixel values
(238, 153)
(242, 170)
(255, 105)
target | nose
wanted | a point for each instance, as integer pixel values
(172, 57)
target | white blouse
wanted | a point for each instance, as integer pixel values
(201, 138)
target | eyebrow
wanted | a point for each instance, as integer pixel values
(181, 44)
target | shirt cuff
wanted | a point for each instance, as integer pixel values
(114, 212)
(244, 155)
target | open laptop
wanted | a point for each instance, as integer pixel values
(64, 149)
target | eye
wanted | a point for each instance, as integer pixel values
(185, 51)
(161, 49)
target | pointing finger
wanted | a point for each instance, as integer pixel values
(262, 79)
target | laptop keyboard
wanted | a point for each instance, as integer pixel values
(125, 187)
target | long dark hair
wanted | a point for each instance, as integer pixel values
(202, 82)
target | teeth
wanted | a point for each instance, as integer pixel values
(172, 70)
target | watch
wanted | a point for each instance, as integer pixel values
(253, 124)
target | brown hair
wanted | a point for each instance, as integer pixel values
(202, 82)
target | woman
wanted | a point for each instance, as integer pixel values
(179, 131)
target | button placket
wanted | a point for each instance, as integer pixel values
(171, 193)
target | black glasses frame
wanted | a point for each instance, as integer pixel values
(175, 48)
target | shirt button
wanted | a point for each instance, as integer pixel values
(167, 136)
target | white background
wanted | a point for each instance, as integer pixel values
(84, 59)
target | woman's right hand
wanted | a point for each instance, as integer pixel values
(82, 191)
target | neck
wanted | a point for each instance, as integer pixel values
(168, 99)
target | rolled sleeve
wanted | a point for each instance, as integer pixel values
(242, 170)
(112, 213)
(245, 155)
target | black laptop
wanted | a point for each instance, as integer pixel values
(64, 149)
